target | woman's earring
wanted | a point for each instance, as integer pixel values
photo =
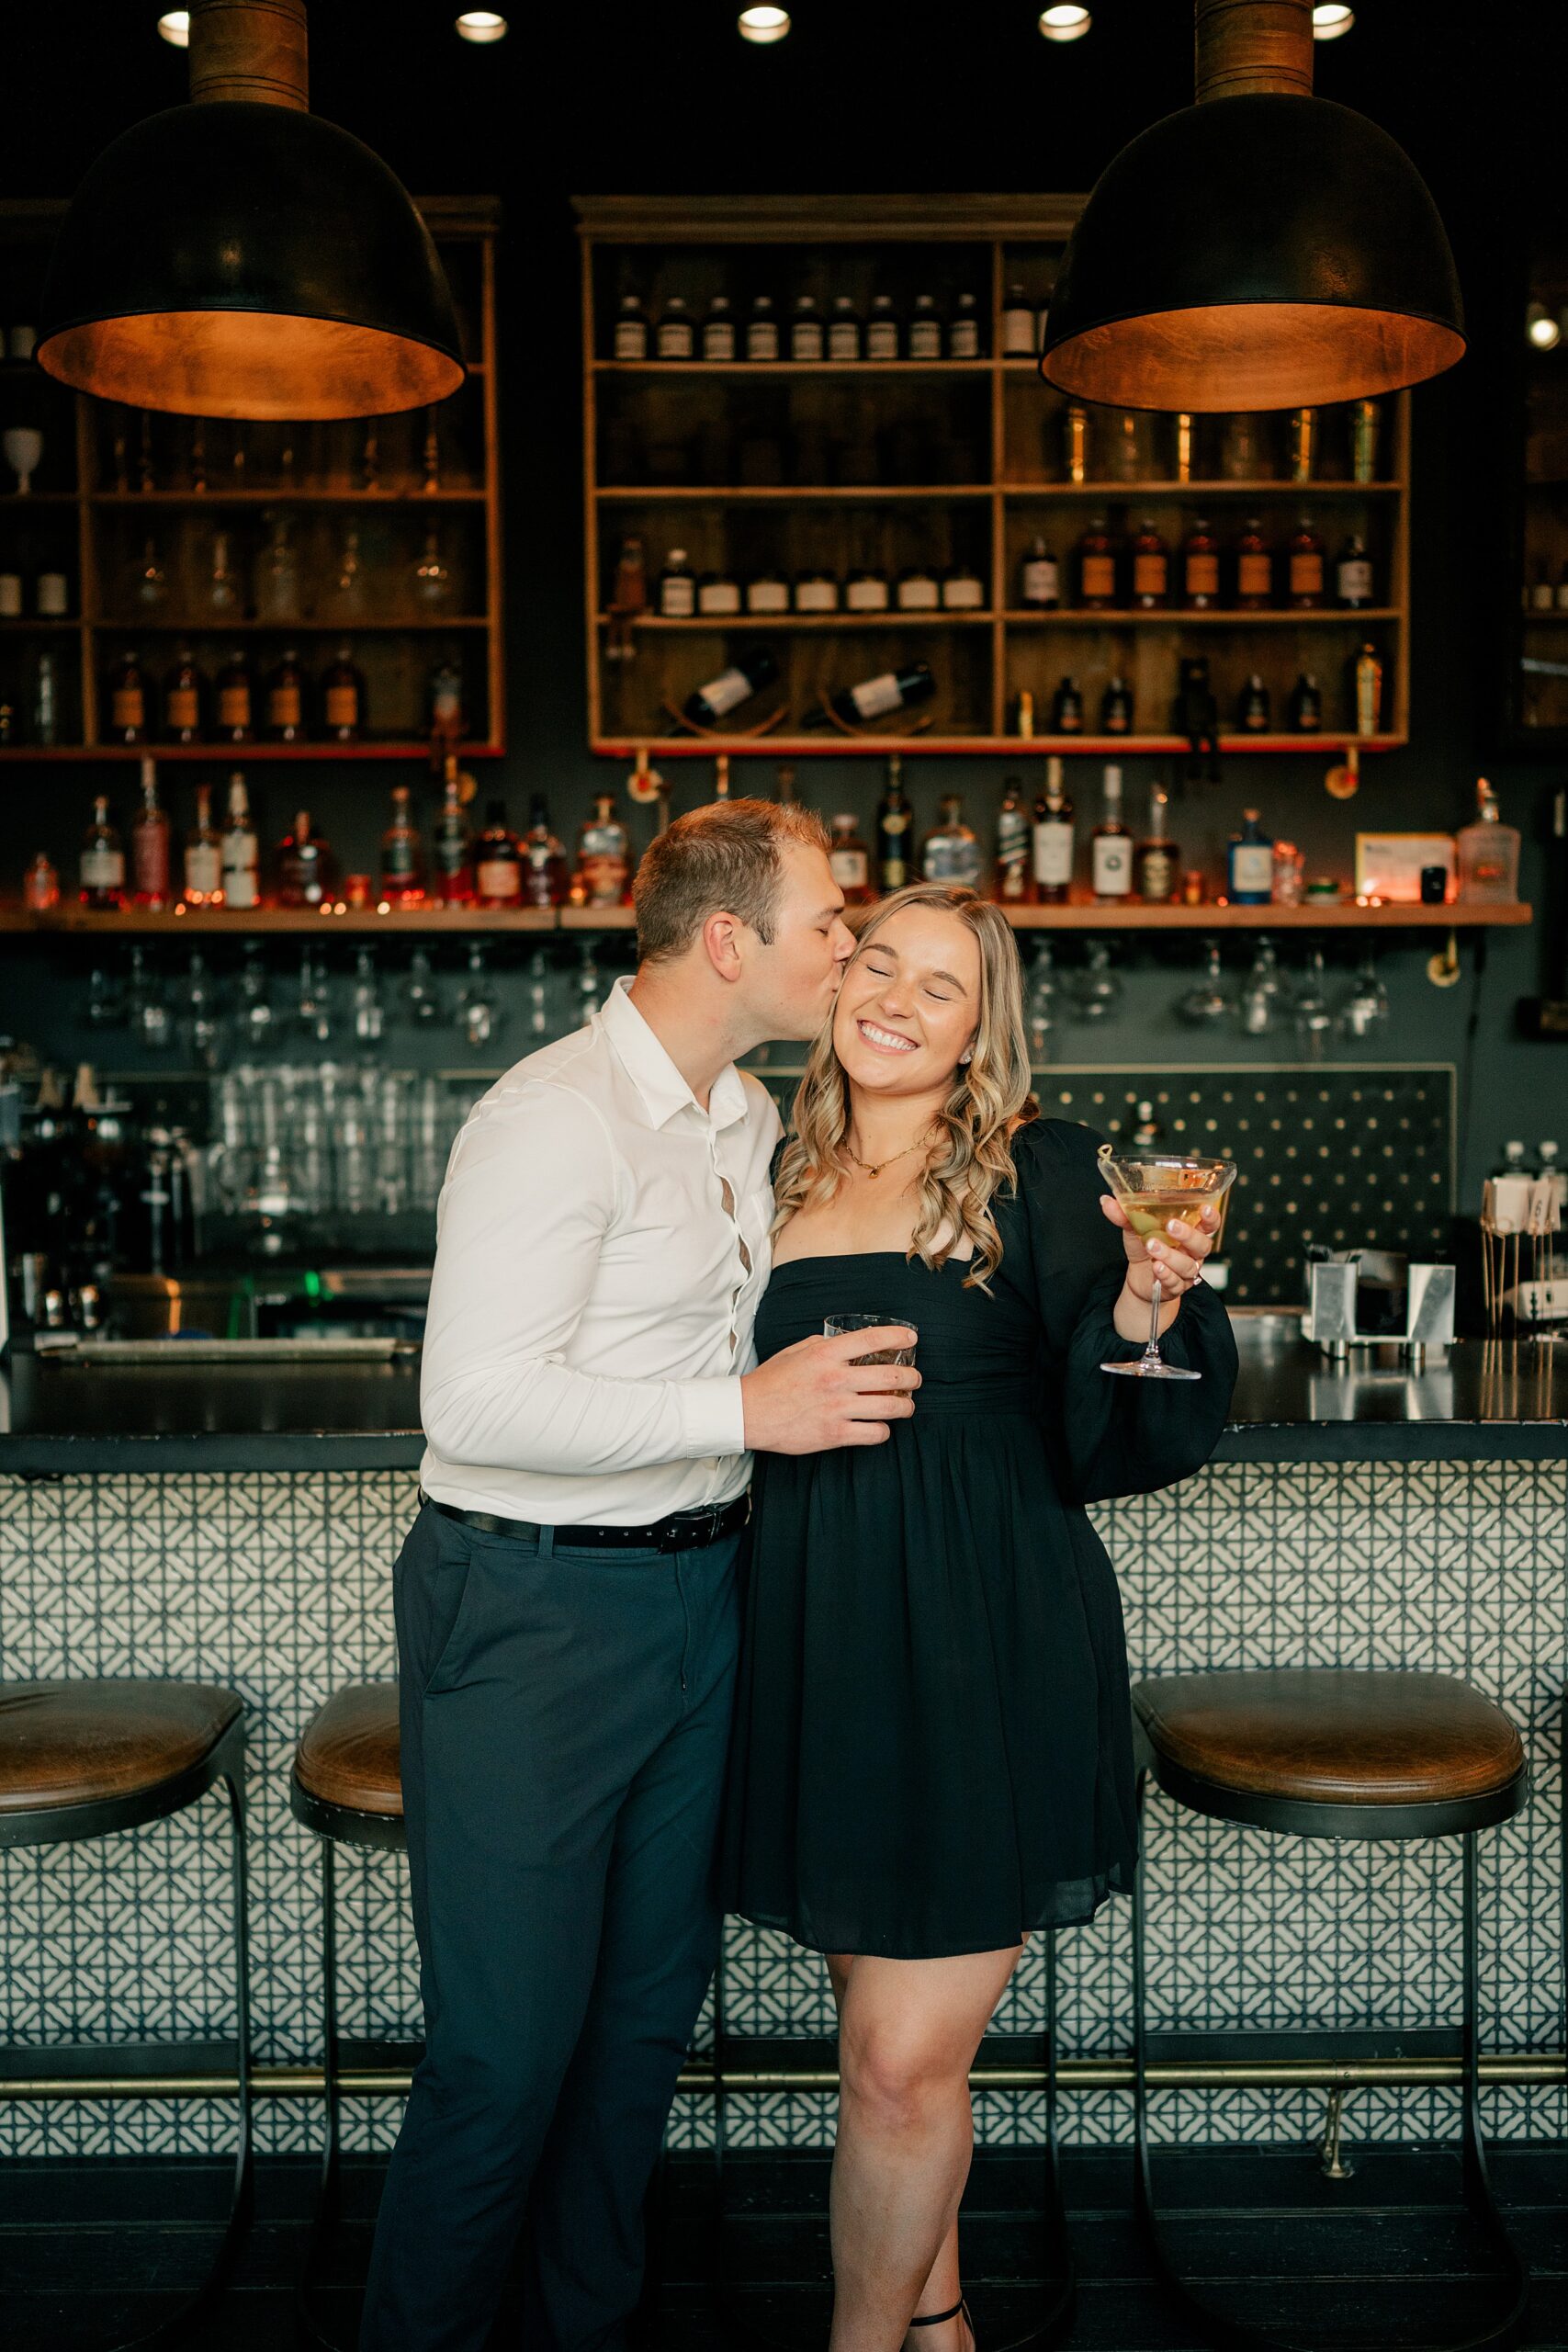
(967, 1056)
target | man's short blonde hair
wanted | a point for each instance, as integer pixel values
(724, 859)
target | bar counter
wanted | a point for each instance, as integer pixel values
(237, 1522)
(1482, 1400)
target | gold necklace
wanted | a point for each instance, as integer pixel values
(867, 1169)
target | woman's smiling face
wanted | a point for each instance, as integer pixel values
(909, 1004)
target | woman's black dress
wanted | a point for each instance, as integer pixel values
(932, 1745)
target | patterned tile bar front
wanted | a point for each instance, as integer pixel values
(280, 1584)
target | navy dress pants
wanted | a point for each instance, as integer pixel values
(565, 1717)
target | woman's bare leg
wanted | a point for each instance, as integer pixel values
(908, 2032)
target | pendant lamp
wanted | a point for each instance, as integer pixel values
(1261, 249)
(240, 257)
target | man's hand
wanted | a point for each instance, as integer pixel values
(815, 1396)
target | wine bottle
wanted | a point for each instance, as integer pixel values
(1053, 838)
(752, 669)
(875, 697)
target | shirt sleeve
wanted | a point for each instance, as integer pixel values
(529, 1201)
(1110, 1436)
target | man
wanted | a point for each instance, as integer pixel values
(566, 1603)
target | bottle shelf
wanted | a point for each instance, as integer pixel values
(22, 627)
(219, 626)
(1088, 915)
(1111, 493)
(1176, 617)
(739, 623)
(742, 493)
(826, 740)
(283, 495)
(863, 369)
(39, 498)
(240, 754)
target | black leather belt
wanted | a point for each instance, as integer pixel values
(683, 1531)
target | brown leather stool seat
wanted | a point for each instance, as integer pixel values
(1421, 1754)
(348, 1760)
(67, 1745)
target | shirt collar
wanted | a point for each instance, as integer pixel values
(663, 1089)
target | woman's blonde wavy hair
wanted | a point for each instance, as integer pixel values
(971, 1158)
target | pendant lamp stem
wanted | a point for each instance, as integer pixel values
(1247, 48)
(254, 50)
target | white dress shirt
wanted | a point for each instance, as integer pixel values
(602, 1243)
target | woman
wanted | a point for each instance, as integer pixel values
(933, 1751)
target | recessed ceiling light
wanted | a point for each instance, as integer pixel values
(1542, 328)
(763, 24)
(1330, 18)
(1064, 23)
(174, 26)
(481, 25)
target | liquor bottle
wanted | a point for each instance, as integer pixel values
(882, 329)
(343, 699)
(676, 337)
(128, 695)
(1096, 567)
(603, 874)
(1249, 863)
(875, 697)
(1039, 578)
(1012, 876)
(1353, 573)
(304, 864)
(347, 599)
(236, 700)
(40, 887)
(1367, 681)
(1018, 325)
(1304, 444)
(895, 821)
(1307, 705)
(631, 329)
(1151, 567)
(762, 329)
(677, 587)
(816, 590)
(1116, 709)
(543, 878)
(430, 575)
(1200, 568)
(964, 329)
(1075, 442)
(752, 669)
(1365, 420)
(1254, 568)
(767, 591)
(1254, 711)
(1066, 708)
(916, 590)
(1486, 852)
(183, 698)
(719, 594)
(203, 856)
(45, 699)
(1110, 845)
(222, 581)
(444, 714)
(962, 590)
(718, 329)
(1053, 839)
(278, 574)
(850, 862)
(806, 341)
(498, 861)
(925, 329)
(844, 340)
(150, 842)
(285, 699)
(1156, 861)
(240, 851)
(866, 590)
(451, 851)
(402, 854)
(951, 852)
(102, 886)
(1304, 551)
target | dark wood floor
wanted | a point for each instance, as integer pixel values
(90, 2254)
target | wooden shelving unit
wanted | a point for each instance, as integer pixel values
(1086, 915)
(662, 440)
(90, 526)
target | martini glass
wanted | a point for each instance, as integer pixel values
(1152, 1187)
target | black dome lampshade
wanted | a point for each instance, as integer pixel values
(1261, 249)
(240, 257)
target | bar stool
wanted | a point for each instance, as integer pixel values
(347, 1787)
(87, 1760)
(1344, 1753)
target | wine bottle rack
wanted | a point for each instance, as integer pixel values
(91, 508)
(664, 439)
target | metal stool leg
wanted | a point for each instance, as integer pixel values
(324, 2219)
(1230, 2336)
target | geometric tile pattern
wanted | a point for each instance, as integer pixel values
(279, 1585)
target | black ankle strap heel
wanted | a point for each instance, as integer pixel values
(939, 2319)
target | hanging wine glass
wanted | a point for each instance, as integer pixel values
(431, 576)
(1209, 1001)
(1314, 1019)
(1365, 1010)
(1096, 989)
(1039, 1010)
(1259, 1001)
(24, 449)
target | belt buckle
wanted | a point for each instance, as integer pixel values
(694, 1527)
